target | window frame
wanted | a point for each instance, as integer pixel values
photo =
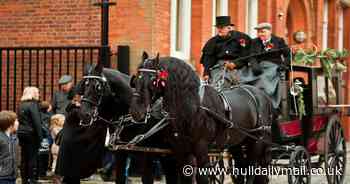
(186, 32)
(325, 21)
(252, 17)
(224, 11)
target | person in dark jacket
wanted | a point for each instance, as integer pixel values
(8, 126)
(217, 53)
(44, 150)
(272, 57)
(60, 99)
(29, 133)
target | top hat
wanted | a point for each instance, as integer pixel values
(223, 21)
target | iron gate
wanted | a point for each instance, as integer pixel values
(41, 67)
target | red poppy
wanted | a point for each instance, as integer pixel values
(163, 75)
(242, 42)
(269, 46)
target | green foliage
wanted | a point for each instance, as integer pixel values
(330, 59)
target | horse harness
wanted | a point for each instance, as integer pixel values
(260, 124)
(102, 85)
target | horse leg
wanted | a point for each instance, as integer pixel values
(258, 158)
(71, 180)
(120, 175)
(169, 169)
(240, 164)
(185, 169)
(202, 160)
(147, 171)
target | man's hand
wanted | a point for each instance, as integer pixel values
(230, 65)
(206, 77)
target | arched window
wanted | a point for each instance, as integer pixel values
(180, 35)
(220, 8)
(325, 25)
(251, 17)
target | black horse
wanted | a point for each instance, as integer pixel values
(197, 119)
(81, 148)
(107, 97)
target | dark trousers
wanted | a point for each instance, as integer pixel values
(29, 159)
(4, 181)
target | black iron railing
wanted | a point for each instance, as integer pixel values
(40, 67)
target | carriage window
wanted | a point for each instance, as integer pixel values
(180, 28)
(322, 92)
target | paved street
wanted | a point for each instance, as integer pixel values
(96, 179)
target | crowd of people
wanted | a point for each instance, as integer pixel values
(36, 128)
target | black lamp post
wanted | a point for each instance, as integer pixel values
(105, 51)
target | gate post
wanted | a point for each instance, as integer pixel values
(105, 49)
(124, 59)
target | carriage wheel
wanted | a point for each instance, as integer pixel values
(300, 159)
(335, 151)
(217, 179)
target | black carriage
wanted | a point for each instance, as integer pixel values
(310, 130)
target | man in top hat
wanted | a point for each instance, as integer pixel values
(227, 45)
(60, 99)
(274, 58)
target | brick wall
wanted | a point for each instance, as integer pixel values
(143, 25)
(49, 23)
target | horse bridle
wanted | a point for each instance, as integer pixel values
(94, 115)
(153, 98)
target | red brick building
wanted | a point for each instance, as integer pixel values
(171, 27)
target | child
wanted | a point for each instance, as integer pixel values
(8, 126)
(57, 122)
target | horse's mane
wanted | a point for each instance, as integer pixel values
(183, 82)
(122, 92)
(181, 93)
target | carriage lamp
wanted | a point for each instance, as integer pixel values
(299, 36)
(280, 15)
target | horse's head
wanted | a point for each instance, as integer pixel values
(149, 83)
(94, 88)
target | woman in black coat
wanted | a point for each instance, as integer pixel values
(29, 133)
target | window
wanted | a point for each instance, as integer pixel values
(341, 30)
(180, 29)
(325, 25)
(251, 17)
(322, 92)
(220, 8)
